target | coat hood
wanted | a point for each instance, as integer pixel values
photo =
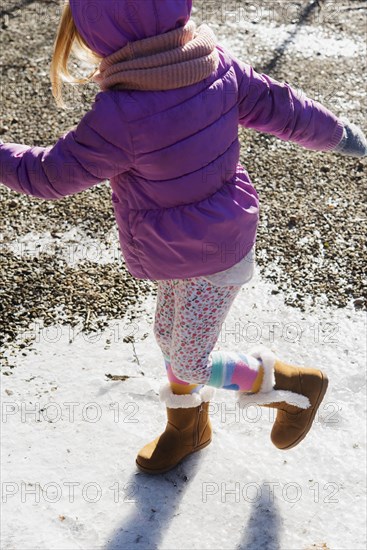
(108, 25)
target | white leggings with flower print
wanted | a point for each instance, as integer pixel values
(188, 320)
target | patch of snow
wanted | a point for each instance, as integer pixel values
(70, 436)
(306, 41)
(310, 41)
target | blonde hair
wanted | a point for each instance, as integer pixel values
(68, 40)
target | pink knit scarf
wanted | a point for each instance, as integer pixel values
(171, 60)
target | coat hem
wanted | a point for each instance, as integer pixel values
(180, 275)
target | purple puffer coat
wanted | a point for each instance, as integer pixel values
(184, 205)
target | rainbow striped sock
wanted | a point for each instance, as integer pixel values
(235, 371)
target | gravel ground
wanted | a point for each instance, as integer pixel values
(311, 239)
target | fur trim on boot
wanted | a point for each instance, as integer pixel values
(185, 401)
(267, 394)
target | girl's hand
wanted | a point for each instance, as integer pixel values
(353, 142)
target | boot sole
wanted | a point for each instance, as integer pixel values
(164, 470)
(325, 383)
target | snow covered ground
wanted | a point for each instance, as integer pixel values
(70, 435)
(297, 43)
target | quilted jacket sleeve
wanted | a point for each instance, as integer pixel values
(97, 149)
(276, 108)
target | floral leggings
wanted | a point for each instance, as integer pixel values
(188, 321)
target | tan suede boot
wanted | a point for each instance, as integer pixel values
(188, 430)
(296, 392)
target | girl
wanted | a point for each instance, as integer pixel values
(164, 131)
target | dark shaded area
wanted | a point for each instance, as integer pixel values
(280, 50)
(14, 7)
(12, 66)
(263, 527)
(154, 501)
